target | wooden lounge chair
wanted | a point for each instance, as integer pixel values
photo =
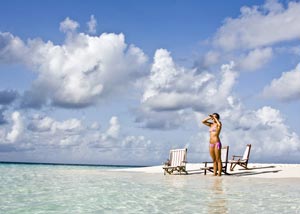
(241, 160)
(224, 157)
(176, 162)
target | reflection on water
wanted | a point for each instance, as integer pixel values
(218, 201)
(176, 181)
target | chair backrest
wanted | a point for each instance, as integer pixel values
(247, 152)
(224, 154)
(224, 158)
(178, 157)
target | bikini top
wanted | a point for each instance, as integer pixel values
(212, 129)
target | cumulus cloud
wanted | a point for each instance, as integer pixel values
(266, 130)
(12, 48)
(78, 73)
(41, 124)
(260, 26)
(119, 147)
(44, 124)
(285, 88)
(92, 24)
(171, 91)
(17, 128)
(42, 135)
(256, 58)
(113, 131)
(171, 88)
(68, 25)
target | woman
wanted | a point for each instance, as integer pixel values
(213, 121)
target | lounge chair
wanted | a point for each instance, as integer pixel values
(224, 158)
(241, 160)
(176, 162)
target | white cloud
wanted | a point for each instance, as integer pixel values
(92, 24)
(67, 125)
(256, 59)
(260, 26)
(171, 88)
(95, 126)
(41, 124)
(211, 58)
(73, 138)
(17, 127)
(113, 130)
(48, 124)
(136, 142)
(163, 72)
(285, 88)
(273, 6)
(12, 48)
(266, 130)
(171, 92)
(79, 72)
(68, 25)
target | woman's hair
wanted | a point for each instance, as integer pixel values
(217, 116)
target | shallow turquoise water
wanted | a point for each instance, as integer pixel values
(76, 189)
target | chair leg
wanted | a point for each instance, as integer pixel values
(244, 165)
(232, 165)
(224, 170)
(184, 170)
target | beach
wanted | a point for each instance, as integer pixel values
(255, 170)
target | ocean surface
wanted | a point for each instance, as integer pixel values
(85, 189)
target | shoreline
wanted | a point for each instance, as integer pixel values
(255, 170)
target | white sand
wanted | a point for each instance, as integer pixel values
(255, 170)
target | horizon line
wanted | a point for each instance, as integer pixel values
(68, 164)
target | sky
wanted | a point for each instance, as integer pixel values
(123, 82)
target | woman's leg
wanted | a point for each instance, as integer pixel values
(213, 157)
(218, 159)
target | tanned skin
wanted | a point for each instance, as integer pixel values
(214, 123)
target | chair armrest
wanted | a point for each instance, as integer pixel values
(236, 156)
(207, 162)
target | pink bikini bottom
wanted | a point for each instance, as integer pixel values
(217, 145)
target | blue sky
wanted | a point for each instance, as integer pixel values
(123, 82)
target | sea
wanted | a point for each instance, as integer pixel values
(37, 189)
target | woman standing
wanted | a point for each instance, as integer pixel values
(215, 126)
